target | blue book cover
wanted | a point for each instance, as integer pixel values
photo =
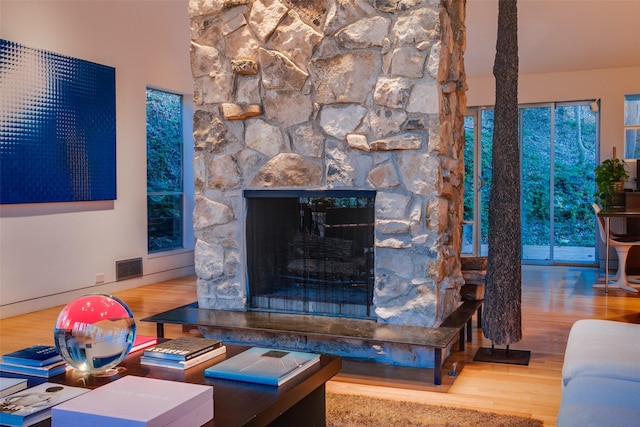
(36, 355)
(37, 371)
(263, 366)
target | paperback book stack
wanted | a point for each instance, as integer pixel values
(38, 360)
(182, 352)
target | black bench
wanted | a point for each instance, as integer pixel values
(329, 327)
(461, 317)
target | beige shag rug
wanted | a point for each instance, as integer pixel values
(345, 410)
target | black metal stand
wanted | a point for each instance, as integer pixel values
(502, 355)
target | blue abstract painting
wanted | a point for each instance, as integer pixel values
(57, 127)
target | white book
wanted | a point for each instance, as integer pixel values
(11, 385)
(33, 404)
(134, 401)
(263, 366)
(182, 364)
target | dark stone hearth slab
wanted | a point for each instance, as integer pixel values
(324, 334)
(319, 326)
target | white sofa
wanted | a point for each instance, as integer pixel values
(601, 375)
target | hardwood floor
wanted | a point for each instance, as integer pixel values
(553, 298)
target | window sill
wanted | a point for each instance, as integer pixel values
(169, 253)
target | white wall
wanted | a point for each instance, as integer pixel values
(609, 86)
(51, 253)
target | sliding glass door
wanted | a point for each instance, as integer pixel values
(477, 181)
(536, 150)
(576, 144)
(558, 154)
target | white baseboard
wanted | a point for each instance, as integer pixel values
(62, 299)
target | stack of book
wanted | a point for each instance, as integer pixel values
(182, 352)
(38, 360)
(141, 342)
(33, 404)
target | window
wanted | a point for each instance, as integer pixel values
(165, 193)
(632, 126)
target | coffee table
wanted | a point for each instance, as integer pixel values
(236, 403)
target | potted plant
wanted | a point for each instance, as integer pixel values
(610, 176)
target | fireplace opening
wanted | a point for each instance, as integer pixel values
(311, 251)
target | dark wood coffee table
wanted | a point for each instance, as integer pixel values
(236, 403)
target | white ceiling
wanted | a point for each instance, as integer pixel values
(557, 35)
(553, 35)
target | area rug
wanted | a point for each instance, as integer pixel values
(345, 410)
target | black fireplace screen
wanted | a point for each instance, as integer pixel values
(311, 251)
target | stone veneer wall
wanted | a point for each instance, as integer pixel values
(334, 94)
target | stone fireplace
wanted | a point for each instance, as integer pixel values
(318, 96)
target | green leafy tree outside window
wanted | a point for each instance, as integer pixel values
(164, 171)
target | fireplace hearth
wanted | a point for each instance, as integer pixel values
(311, 251)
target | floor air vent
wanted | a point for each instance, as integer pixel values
(128, 269)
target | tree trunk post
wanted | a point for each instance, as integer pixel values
(502, 318)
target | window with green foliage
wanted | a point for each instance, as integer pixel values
(165, 194)
(558, 147)
(632, 126)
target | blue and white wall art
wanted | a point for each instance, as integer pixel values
(57, 127)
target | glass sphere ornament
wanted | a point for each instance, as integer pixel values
(94, 333)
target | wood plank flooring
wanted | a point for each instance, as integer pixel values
(553, 298)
